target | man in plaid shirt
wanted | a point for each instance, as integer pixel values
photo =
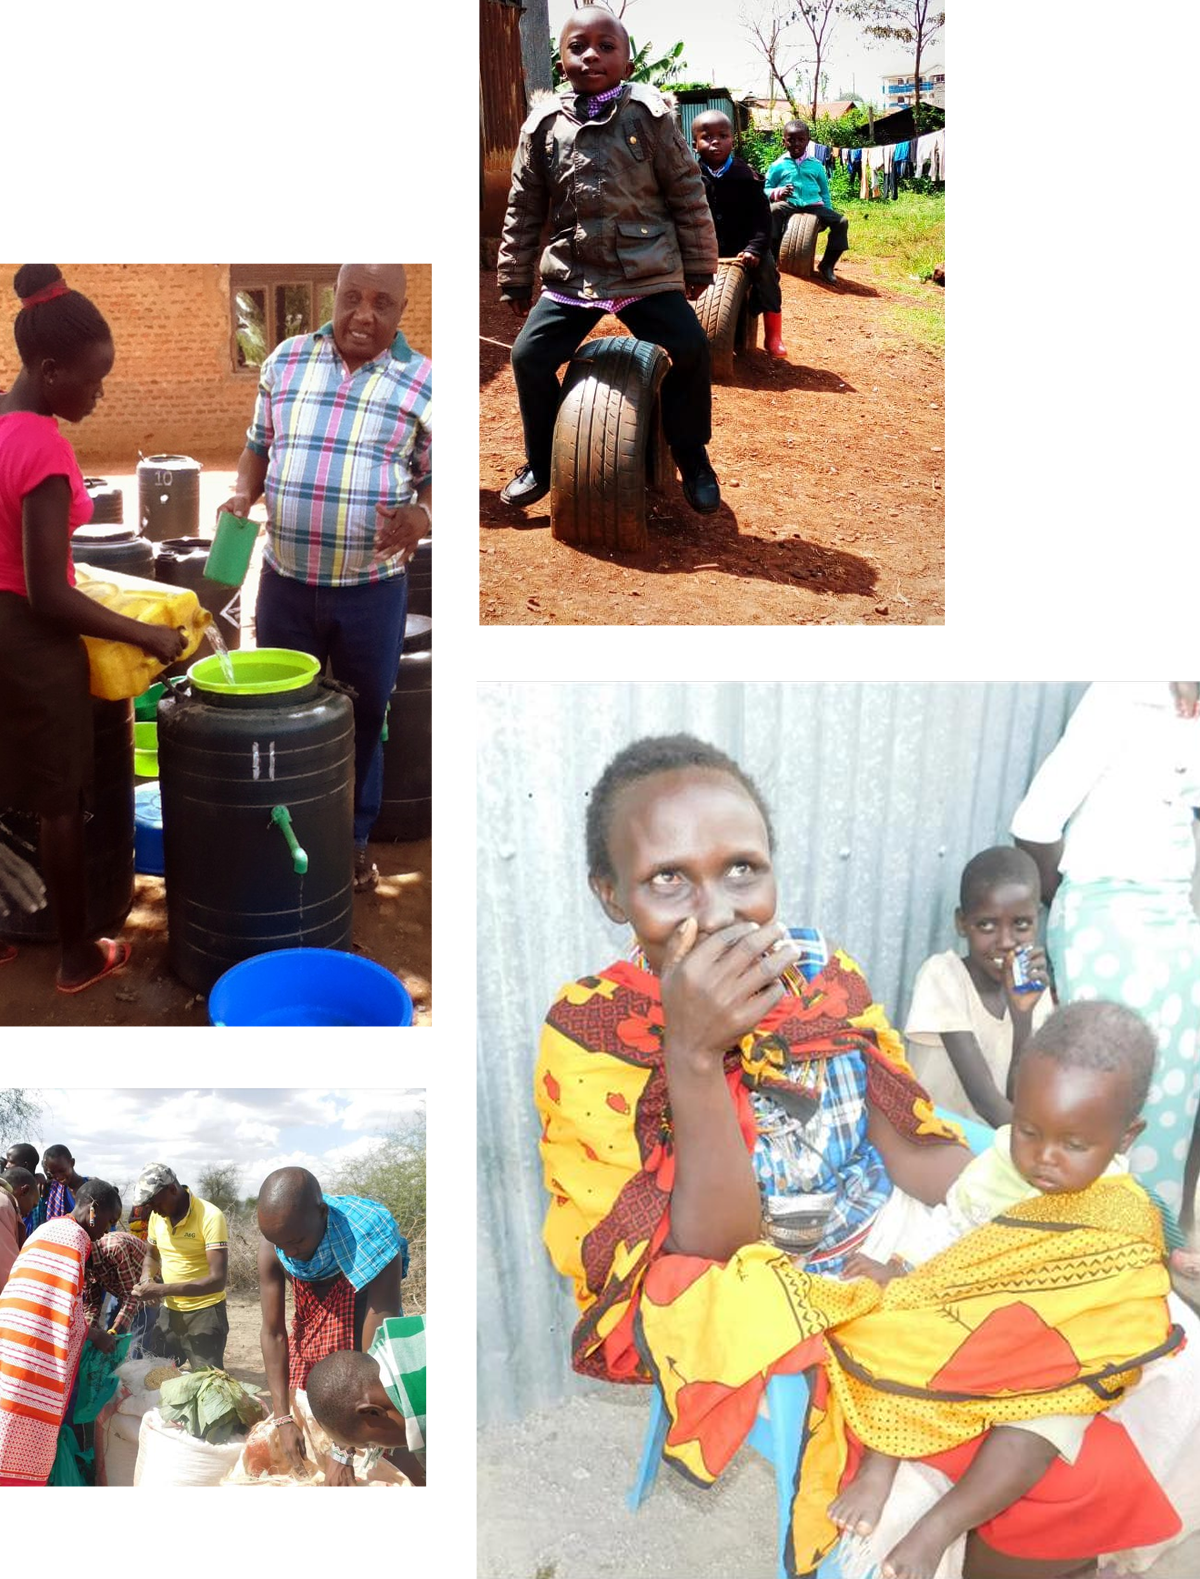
(114, 1267)
(341, 445)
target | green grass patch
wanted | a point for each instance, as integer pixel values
(907, 236)
(924, 326)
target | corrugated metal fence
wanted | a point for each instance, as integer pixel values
(879, 792)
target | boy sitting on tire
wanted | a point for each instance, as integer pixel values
(630, 233)
(742, 217)
(796, 185)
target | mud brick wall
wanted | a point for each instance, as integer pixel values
(173, 389)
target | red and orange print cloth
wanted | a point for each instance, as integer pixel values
(1052, 1309)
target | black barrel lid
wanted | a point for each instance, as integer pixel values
(105, 532)
(418, 633)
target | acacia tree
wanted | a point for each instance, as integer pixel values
(910, 22)
(20, 1115)
(221, 1184)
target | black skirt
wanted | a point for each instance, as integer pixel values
(45, 712)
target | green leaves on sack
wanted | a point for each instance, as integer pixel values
(210, 1404)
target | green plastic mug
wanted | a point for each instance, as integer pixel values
(229, 558)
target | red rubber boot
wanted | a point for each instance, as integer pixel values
(772, 332)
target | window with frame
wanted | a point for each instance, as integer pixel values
(270, 302)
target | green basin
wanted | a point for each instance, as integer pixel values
(256, 672)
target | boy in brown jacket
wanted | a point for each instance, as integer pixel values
(630, 233)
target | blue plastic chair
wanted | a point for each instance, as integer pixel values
(778, 1438)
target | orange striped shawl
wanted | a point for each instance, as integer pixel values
(42, 1329)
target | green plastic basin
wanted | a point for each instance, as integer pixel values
(145, 750)
(256, 672)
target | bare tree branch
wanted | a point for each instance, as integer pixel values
(910, 22)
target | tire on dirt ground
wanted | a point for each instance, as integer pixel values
(718, 308)
(607, 420)
(798, 249)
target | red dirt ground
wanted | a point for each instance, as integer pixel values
(831, 469)
(391, 926)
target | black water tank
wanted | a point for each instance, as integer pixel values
(168, 496)
(224, 763)
(120, 548)
(420, 579)
(107, 835)
(407, 809)
(108, 502)
(180, 563)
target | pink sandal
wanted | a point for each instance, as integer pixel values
(116, 957)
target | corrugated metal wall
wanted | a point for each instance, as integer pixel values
(688, 108)
(880, 793)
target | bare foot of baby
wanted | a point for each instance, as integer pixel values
(916, 1556)
(856, 1508)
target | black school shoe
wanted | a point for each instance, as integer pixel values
(827, 274)
(699, 483)
(524, 488)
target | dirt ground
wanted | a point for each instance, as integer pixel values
(391, 925)
(243, 1351)
(831, 471)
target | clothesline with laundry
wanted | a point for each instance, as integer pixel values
(880, 170)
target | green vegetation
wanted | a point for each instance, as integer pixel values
(393, 1173)
(907, 236)
(907, 239)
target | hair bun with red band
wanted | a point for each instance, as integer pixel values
(46, 294)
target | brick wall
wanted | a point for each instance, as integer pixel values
(173, 389)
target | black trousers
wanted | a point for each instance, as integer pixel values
(551, 335)
(829, 219)
(765, 293)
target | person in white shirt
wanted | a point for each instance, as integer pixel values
(969, 1020)
(1108, 818)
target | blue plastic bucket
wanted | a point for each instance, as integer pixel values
(147, 824)
(309, 986)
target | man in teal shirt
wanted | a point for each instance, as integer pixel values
(796, 185)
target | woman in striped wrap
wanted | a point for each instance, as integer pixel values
(42, 1332)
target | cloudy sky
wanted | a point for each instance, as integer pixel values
(718, 48)
(112, 1134)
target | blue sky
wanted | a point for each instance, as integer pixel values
(113, 1133)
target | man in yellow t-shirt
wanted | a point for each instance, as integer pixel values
(189, 1249)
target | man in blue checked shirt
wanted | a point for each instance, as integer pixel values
(341, 445)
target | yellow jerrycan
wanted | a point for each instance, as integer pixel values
(118, 669)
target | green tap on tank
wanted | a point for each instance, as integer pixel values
(282, 819)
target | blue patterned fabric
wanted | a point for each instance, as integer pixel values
(827, 1152)
(361, 1238)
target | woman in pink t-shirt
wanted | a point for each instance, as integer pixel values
(45, 711)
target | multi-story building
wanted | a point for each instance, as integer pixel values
(898, 90)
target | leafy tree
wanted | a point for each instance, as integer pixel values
(910, 22)
(221, 1184)
(20, 1116)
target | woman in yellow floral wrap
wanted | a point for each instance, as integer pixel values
(729, 1096)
